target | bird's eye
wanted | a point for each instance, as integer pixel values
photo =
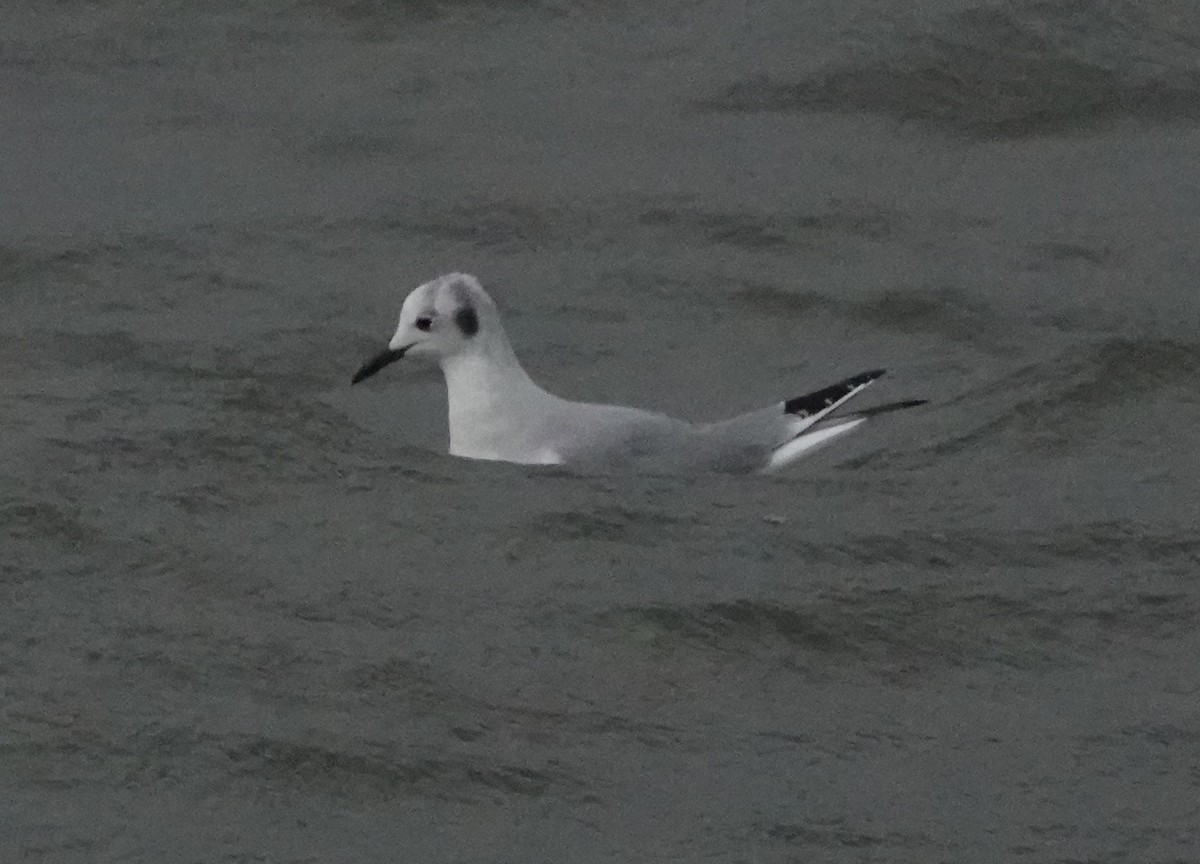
(424, 324)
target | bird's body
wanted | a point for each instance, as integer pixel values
(497, 412)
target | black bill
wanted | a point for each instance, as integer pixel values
(383, 358)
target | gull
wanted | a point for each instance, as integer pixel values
(497, 412)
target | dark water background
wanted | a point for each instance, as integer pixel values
(249, 614)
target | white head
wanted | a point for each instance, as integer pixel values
(445, 317)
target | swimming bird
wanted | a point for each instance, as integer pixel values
(497, 412)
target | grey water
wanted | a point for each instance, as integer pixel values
(248, 613)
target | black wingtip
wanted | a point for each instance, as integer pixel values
(811, 403)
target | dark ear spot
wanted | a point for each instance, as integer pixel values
(467, 321)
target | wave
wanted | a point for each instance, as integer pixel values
(1080, 395)
(378, 772)
(618, 523)
(378, 20)
(917, 628)
(1010, 71)
(1108, 542)
(757, 231)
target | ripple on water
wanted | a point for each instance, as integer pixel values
(1015, 71)
(381, 771)
(897, 633)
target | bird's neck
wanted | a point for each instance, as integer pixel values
(491, 399)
